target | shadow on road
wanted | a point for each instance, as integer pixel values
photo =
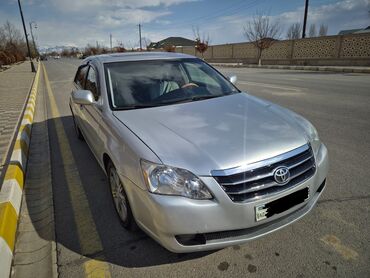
(120, 247)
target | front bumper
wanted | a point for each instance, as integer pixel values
(222, 222)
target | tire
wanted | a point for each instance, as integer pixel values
(120, 200)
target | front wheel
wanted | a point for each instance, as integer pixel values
(120, 199)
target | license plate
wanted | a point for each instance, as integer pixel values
(280, 205)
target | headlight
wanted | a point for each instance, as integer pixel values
(311, 133)
(314, 138)
(162, 179)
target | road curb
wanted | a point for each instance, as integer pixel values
(309, 68)
(12, 187)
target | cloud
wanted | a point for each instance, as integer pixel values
(81, 5)
(345, 14)
(342, 12)
(78, 22)
(128, 16)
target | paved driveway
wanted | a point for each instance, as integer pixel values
(332, 241)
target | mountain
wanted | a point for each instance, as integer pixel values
(57, 49)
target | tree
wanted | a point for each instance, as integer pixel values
(262, 32)
(312, 31)
(120, 47)
(323, 31)
(294, 31)
(12, 34)
(12, 45)
(201, 41)
(92, 50)
(145, 42)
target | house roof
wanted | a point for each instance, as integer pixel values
(366, 30)
(349, 31)
(354, 31)
(176, 41)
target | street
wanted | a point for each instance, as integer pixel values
(332, 241)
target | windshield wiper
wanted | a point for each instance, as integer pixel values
(194, 98)
(170, 101)
(188, 99)
(136, 106)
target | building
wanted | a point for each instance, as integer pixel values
(171, 41)
(354, 31)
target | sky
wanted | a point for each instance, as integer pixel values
(81, 22)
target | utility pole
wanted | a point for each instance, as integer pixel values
(25, 34)
(110, 39)
(305, 19)
(33, 38)
(140, 36)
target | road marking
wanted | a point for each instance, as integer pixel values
(272, 86)
(346, 252)
(88, 236)
(96, 269)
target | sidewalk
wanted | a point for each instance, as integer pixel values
(35, 248)
(15, 85)
(311, 68)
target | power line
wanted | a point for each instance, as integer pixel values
(216, 12)
(231, 11)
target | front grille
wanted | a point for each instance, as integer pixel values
(259, 182)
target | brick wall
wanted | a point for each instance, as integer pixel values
(349, 50)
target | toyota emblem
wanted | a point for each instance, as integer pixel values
(282, 175)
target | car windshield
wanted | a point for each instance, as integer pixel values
(141, 84)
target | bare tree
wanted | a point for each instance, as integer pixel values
(12, 34)
(262, 32)
(294, 31)
(120, 47)
(201, 41)
(12, 44)
(145, 42)
(2, 38)
(312, 30)
(323, 31)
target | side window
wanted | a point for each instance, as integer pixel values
(198, 75)
(91, 83)
(80, 76)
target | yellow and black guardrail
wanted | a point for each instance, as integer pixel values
(12, 187)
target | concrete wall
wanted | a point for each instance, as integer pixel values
(348, 50)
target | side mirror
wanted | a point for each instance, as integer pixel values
(233, 79)
(83, 97)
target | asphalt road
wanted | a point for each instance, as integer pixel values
(332, 241)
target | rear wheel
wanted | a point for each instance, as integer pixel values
(120, 199)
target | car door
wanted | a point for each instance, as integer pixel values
(92, 114)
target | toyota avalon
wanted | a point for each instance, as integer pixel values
(192, 160)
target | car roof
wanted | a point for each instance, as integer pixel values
(137, 56)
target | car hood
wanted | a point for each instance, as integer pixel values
(215, 134)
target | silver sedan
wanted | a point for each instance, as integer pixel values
(193, 161)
